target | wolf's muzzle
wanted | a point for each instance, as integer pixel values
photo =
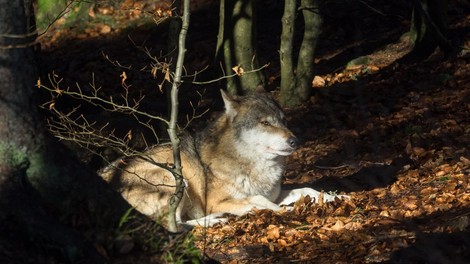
(293, 142)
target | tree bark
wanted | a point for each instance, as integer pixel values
(296, 83)
(22, 142)
(236, 45)
(429, 28)
(35, 173)
(288, 80)
(172, 130)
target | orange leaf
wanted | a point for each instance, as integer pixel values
(123, 77)
(167, 75)
(238, 70)
(318, 81)
(273, 232)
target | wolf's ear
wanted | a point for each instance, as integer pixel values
(231, 105)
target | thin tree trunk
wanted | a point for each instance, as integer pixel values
(236, 44)
(429, 28)
(172, 130)
(296, 82)
(286, 52)
(313, 22)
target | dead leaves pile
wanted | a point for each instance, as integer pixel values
(365, 229)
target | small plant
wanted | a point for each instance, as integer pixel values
(183, 250)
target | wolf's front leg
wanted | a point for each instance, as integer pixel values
(243, 206)
(290, 196)
(235, 207)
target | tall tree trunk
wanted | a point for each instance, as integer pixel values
(35, 171)
(172, 129)
(22, 143)
(429, 28)
(288, 80)
(236, 44)
(296, 83)
(313, 22)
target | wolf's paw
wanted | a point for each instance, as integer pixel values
(206, 221)
(261, 202)
(290, 196)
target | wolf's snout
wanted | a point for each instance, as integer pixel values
(293, 142)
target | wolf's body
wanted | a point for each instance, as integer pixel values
(232, 166)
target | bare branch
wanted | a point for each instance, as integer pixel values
(130, 108)
(231, 76)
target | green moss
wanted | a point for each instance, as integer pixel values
(14, 156)
(48, 11)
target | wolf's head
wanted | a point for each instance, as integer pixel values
(259, 124)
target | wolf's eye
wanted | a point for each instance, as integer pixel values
(265, 123)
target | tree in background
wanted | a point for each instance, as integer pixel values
(429, 27)
(27, 168)
(236, 45)
(296, 79)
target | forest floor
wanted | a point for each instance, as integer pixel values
(392, 135)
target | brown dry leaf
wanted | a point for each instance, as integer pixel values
(428, 191)
(91, 12)
(380, 193)
(105, 29)
(339, 225)
(129, 135)
(464, 160)
(271, 246)
(446, 168)
(373, 68)
(353, 226)
(123, 77)
(385, 213)
(410, 203)
(273, 232)
(323, 236)
(238, 70)
(445, 198)
(281, 242)
(395, 188)
(418, 151)
(318, 81)
(291, 234)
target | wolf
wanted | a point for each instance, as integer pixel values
(232, 166)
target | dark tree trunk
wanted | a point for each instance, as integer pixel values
(33, 172)
(429, 28)
(236, 45)
(288, 84)
(296, 82)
